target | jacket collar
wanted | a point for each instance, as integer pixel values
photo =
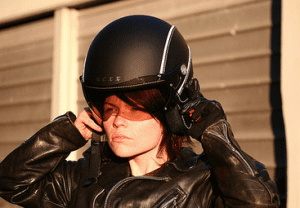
(118, 168)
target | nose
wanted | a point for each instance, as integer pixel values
(119, 121)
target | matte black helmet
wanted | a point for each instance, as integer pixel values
(137, 52)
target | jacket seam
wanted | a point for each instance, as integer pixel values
(51, 202)
(125, 180)
(238, 152)
(44, 199)
(270, 195)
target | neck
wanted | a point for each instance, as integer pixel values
(143, 164)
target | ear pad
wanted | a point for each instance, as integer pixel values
(178, 124)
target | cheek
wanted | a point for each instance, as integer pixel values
(151, 131)
(107, 126)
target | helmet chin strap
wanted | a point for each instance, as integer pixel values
(95, 161)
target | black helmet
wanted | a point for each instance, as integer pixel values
(136, 52)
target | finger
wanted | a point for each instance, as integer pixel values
(86, 125)
(191, 105)
(90, 122)
(96, 118)
(87, 134)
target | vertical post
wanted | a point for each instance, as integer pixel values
(65, 70)
(290, 86)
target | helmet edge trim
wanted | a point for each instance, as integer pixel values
(166, 50)
(179, 91)
(125, 87)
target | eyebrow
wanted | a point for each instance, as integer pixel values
(109, 104)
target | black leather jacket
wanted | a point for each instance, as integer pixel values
(37, 175)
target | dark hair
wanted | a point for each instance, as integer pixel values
(153, 102)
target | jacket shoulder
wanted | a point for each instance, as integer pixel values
(190, 159)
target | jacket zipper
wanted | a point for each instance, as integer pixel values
(227, 141)
(173, 200)
(126, 180)
(94, 202)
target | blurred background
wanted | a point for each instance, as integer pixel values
(243, 55)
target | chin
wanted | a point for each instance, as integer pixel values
(123, 154)
(121, 151)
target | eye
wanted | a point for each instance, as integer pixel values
(139, 114)
(138, 110)
(109, 110)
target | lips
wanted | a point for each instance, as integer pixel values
(119, 138)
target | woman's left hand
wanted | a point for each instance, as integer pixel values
(204, 114)
(201, 111)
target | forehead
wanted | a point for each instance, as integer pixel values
(124, 110)
(112, 99)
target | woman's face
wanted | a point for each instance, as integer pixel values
(131, 132)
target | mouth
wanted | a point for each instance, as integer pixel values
(119, 138)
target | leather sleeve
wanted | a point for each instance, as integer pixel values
(36, 174)
(241, 181)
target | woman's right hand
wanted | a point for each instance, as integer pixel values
(86, 125)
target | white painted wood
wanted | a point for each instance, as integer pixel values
(290, 85)
(65, 72)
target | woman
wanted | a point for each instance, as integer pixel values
(143, 105)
